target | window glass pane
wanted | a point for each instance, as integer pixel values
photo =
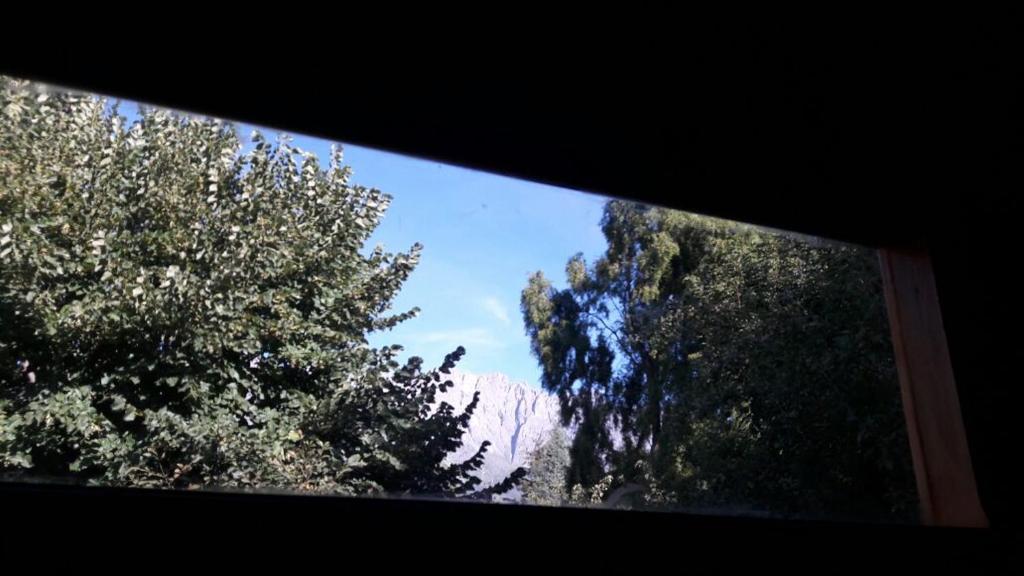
(187, 303)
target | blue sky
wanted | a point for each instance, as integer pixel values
(482, 235)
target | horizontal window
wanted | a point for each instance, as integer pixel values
(188, 303)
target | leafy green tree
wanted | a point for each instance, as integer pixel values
(716, 364)
(545, 483)
(176, 313)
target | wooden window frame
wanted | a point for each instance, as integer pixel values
(943, 471)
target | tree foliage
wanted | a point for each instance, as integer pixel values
(716, 364)
(178, 313)
(545, 484)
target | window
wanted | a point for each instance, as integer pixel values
(188, 303)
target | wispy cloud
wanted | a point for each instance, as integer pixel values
(468, 337)
(496, 309)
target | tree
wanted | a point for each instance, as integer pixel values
(545, 483)
(178, 314)
(716, 364)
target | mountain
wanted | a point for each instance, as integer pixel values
(513, 416)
